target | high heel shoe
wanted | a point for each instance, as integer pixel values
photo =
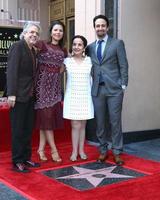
(83, 156)
(55, 157)
(73, 157)
(42, 155)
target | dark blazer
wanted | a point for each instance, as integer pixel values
(20, 71)
(113, 67)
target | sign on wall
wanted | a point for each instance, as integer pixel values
(8, 35)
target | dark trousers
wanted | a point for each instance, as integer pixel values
(22, 120)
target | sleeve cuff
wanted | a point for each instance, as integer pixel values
(12, 98)
(123, 87)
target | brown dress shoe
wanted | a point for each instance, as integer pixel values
(118, 160)
(102, 158)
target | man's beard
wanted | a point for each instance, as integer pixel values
(101, 34)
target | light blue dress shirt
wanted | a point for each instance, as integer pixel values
(103, 44)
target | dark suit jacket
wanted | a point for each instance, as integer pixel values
(20, 71)
(113, 67)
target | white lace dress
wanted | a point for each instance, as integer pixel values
(78, 103)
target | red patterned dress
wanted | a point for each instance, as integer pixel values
(48, 87)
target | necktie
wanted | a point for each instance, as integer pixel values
(99, 50)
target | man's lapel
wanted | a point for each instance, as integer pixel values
(109, 41)
(94, 57)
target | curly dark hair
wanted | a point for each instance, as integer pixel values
(82, 38)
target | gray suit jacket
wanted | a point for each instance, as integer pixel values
(113, 67)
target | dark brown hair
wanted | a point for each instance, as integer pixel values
(82, 38)
(100, 17)
(57, 22)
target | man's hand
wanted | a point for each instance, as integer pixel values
(124, 87)
(11, 101)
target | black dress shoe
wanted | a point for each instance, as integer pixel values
(118, 160)
(20, 167)
(30, 163)
(102, 158)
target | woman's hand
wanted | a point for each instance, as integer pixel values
(62, 68)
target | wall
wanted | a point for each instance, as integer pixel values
(85, 10)
(138, 22)
(139, 27)
(25, 10)
(44, 18)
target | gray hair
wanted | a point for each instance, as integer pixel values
(27, 26)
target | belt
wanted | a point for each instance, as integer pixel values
(102, 83)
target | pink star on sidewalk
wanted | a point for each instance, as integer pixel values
(95, 176)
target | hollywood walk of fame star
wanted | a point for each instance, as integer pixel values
(16, 35)
(95, 177)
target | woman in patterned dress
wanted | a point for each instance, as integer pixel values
(78, 106)
(48, 89)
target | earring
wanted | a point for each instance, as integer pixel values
(72, 53)
(83, 54)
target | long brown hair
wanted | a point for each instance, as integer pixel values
(57, 22)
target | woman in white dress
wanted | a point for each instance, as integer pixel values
(78, 105)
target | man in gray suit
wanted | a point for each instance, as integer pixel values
(110, 79)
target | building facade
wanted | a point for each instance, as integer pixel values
(134, 21)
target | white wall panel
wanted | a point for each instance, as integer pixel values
(140, 30)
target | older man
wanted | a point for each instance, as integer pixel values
(20, 91)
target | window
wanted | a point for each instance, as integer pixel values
(111, 11)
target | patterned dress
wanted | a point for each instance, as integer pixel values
(78, 103)
(48, 86)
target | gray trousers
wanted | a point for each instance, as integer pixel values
(108, 109)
